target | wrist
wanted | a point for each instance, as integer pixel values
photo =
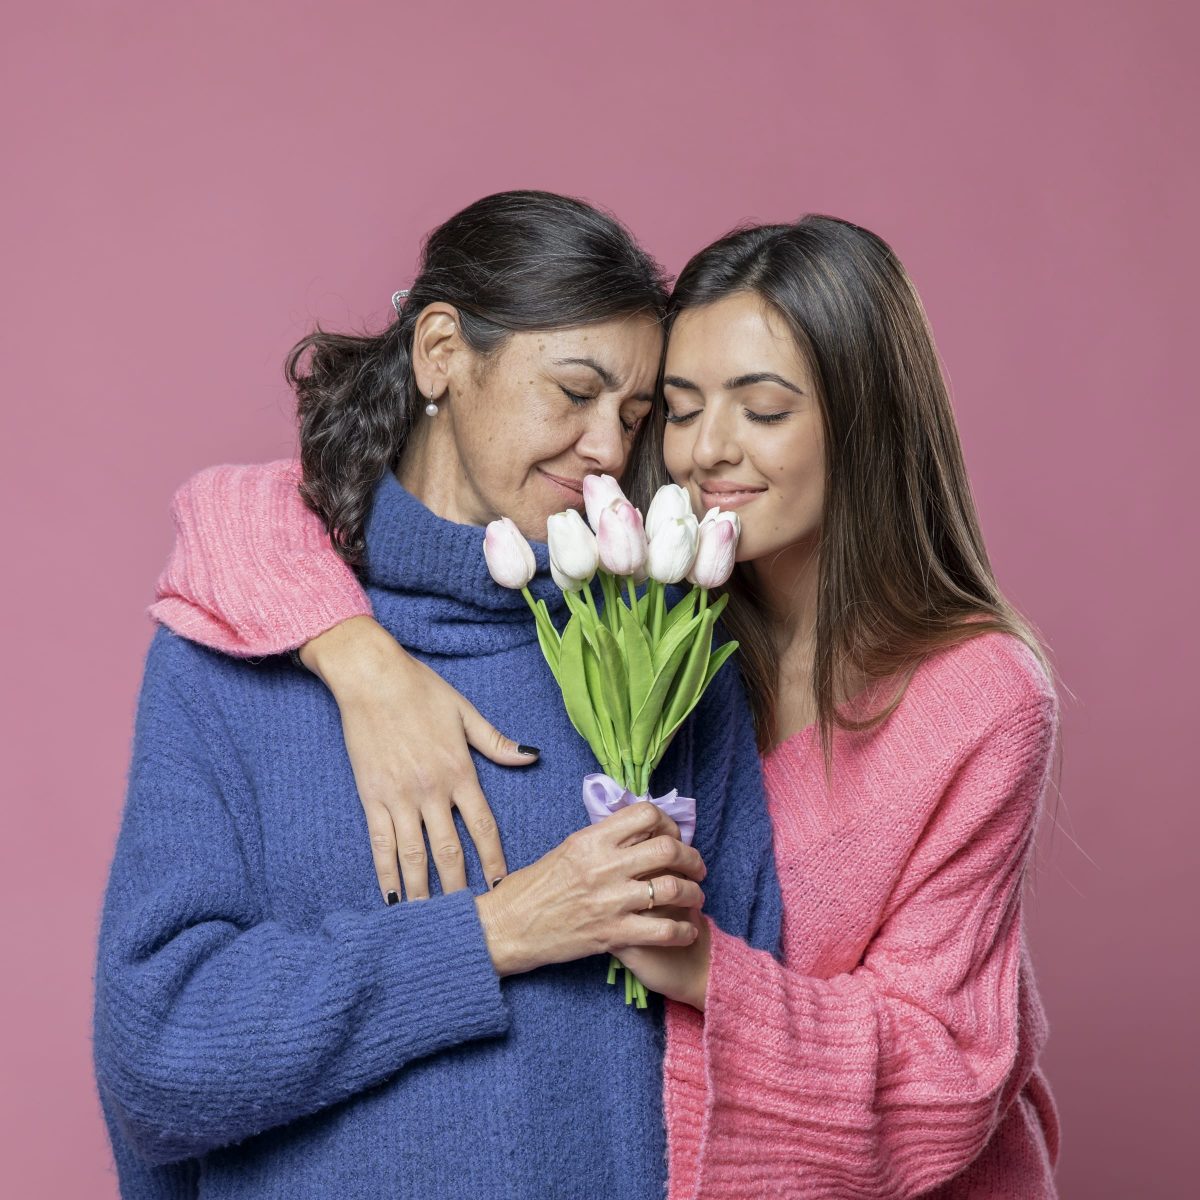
(500, 944)
(699, 990)
(347, 653)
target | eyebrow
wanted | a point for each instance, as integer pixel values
(610, 381)
(732, 385)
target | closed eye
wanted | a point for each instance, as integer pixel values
(681, 418)
(630, 427)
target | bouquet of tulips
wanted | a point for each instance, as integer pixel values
(630, 669)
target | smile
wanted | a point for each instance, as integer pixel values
(728, 495)
(570, 490)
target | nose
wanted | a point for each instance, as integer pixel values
(716, 440)
(602, 444)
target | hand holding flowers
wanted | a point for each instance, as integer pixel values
(630, 671)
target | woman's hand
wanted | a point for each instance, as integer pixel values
(588, 895)
(679, 974)
(408, 734)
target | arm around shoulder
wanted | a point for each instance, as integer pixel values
(252, 571)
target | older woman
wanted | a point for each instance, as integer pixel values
(264, 1027)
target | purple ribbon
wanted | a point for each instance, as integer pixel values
(603, 796)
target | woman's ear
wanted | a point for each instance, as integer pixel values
(436, 340)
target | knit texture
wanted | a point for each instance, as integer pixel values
(266, 1027)
(252, 571)
(894, 1052)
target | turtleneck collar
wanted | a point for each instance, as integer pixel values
(436, 594)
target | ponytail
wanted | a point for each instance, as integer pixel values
(355, 410)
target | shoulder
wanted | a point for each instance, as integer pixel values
(193, 674)
(988, 686)
(233, 479)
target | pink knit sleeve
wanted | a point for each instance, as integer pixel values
(252, 571)
(890, 1079)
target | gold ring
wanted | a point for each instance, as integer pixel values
(650, 885)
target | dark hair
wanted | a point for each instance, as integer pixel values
(511, 262)
(903, 568)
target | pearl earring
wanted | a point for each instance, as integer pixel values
(431, 409)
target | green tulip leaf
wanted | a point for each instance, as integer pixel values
(573, 681)
(638, 662)
(684, 610)
(650, 712)
(690, 681)
(716, 662)
(604, 725)
(616, 688)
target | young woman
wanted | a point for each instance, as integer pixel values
(903, 709)
(263, 1026)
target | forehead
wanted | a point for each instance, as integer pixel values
(627, 348)
(739, 335)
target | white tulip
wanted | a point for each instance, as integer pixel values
(573, 550)
(670, 503)
(673, 548)
(599, 493)
(565, 582)
(509, 556)
(716, 549)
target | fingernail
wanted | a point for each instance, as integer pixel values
(393, 897)
(532, 751)
(497, 880)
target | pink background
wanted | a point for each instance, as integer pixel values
(189, 186)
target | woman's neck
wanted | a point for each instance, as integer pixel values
(786, 586)
(786, 583)
(431, 470)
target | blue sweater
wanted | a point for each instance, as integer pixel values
(266, 1027)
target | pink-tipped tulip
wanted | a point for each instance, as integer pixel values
(622, 539)
(599, 492)
(717, 548)
(509, 556)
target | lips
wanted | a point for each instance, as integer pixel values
(720, 488)
(727, 494)
(576, 485)
(571, 490)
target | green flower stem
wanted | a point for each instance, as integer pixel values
(591, 603)
(608, 584)
(632, 590)
(658, 594)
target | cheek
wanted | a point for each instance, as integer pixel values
(677, 452)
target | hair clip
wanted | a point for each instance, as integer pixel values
(398, 297)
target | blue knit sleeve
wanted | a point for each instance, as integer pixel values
(214, 1023)
(733, 828)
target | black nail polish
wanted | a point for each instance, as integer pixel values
(497, 880)
(393, 898)
(532, 751)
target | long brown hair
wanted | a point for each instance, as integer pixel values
(903, 570)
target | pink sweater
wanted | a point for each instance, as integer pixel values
(894, 1052)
